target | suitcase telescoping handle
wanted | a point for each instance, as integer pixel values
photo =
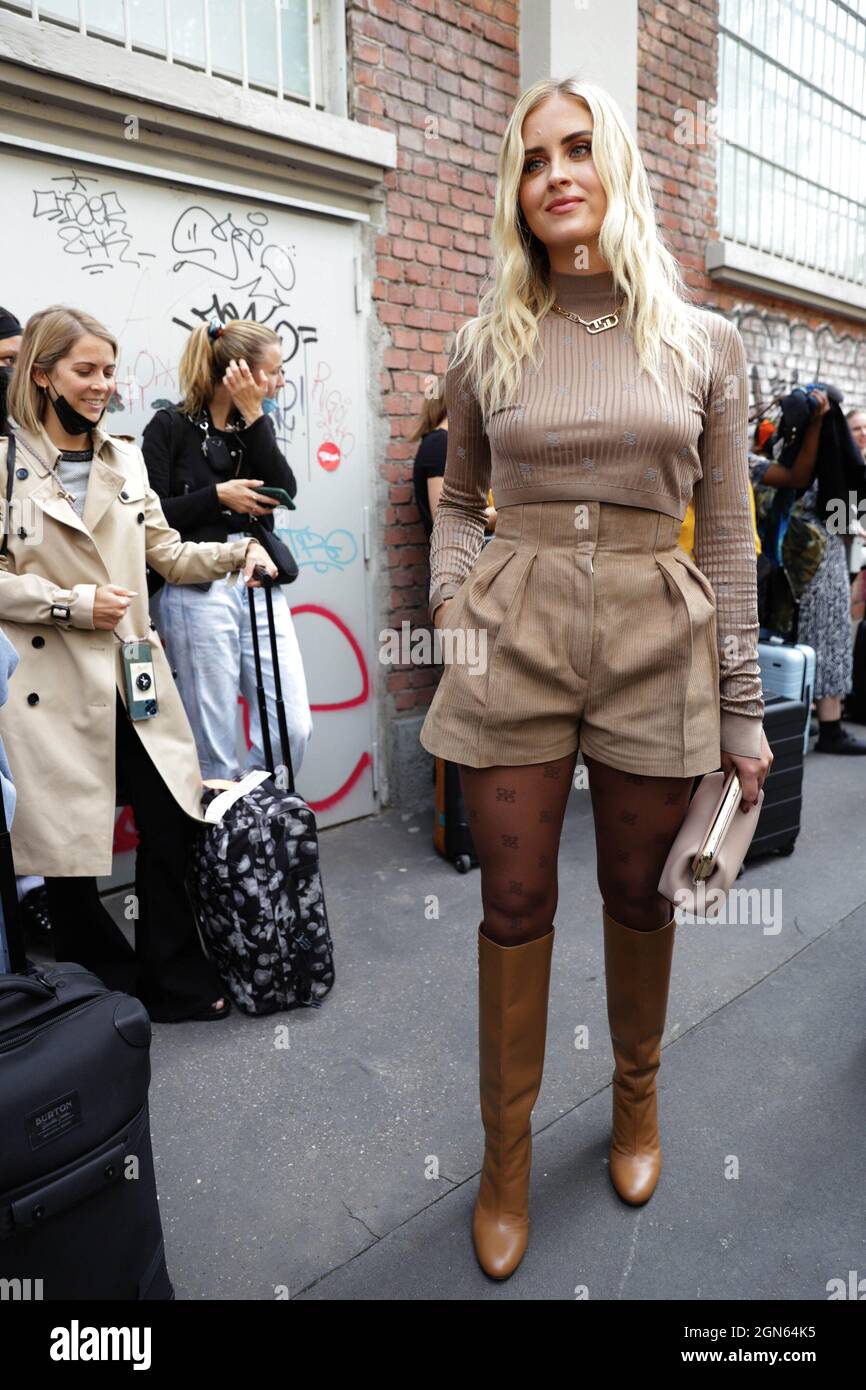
(267, 584)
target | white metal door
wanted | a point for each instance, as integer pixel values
(152, 261)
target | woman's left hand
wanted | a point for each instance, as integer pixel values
(247, 392)
(257, 557)
(751, 771)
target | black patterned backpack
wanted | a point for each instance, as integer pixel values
(254, 879)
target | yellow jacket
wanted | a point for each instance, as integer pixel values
(687, 534)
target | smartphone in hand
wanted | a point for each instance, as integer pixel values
(279, 493)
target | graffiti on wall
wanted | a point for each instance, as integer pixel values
(253, 276)
(91, 224)
(774, 342)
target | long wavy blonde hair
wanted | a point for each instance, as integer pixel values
(657, 305)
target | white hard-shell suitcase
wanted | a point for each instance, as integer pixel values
(789, 670)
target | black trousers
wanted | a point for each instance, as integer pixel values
(168, 969)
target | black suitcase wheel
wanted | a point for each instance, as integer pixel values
(788, 849)
(463, 863)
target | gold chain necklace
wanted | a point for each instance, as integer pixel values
(598, 325)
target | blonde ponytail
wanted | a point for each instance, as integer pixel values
(205, 360)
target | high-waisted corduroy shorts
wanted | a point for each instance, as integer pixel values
(581, 624)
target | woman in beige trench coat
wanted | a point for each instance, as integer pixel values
(72, 589)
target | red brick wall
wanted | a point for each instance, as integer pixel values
(413, 63)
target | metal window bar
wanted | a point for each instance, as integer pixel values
(207, 52)
(245, 75)
(311, 69)
(278, 20)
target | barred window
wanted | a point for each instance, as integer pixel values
(792, 132)
(269, 46)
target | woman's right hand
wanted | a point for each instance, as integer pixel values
(239, 496)
(110, 604)
(823, 406)
(439, 614)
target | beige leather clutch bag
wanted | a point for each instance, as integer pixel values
(710, 845)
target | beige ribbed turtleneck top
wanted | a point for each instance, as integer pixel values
(588, 425)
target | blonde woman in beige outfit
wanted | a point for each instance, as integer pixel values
(597, 401)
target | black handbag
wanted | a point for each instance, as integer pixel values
(278, 551)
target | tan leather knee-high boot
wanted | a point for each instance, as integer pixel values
(513, 988)
(637, 969)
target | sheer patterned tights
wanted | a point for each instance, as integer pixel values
(515, 815)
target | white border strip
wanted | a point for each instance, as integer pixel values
(261, 195)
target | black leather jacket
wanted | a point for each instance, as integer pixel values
(185, 480)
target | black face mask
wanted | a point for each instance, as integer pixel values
(71, 420)
(5, 379)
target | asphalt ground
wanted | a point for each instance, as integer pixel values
(334, 1153)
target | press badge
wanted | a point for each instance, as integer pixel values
(140, 680)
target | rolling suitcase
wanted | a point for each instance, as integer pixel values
(254, 879)
(788, 670)
(452, 837)
(779, 822)
(79, 1217)
(855, 700)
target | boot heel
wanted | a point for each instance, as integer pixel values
(513, 991)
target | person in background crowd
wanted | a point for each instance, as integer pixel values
(856, 419)
(856, 423)
(824, 618)
(429, 467)
(10, 346)
(66, 592)
(35, 917)
(205, 458)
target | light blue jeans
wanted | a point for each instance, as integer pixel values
(209, 645)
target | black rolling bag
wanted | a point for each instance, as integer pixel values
(779, 822)
(79, 1217)
(452, 837)
(855, 700)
